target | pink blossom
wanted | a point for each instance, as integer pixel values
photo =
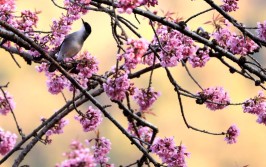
(7, 103)
(91, 120)
(222, 35)
(149, 59)
(241, 45)
(217, 96)
(144, 133)
(261, 31)
(88, 65)
(7, 142)
(117, 86)
(57, 128)
(42, 67)
(81, 80)
(178, 158)
(236, 44)
(176, 46)
(101, 148)
(56, 83)
(163, 147)
(133, 55)
(27, 21)
(200, 58)
(257, 105)
(232, 134)
(7, 8)
(78, 156)
(230, 5)
(145, 97)
(262, 118)
(127, 6)
(172, 155)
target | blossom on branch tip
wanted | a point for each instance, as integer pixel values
(117, 86)
(90, 120)
(262, 118)
(101, 148)
(200, 58)
(7, 8)
(261, 31)
(142, 132)
(145, 97)
(57, 128)
(7, 142)
(236, 44)
(232, 134)
(78, 156)
(215, 98)
(127, 6)
(256, 105)
(7, 103)
(175, 46)
(229, 5)
(172, 155)
(88, 65)
(134, 52)
(56, 83)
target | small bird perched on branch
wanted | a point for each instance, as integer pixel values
(72, 44)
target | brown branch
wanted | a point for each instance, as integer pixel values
(14, 38)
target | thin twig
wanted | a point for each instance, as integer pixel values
(196, 15)
(11, 54)
(12, 112)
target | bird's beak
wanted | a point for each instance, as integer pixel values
(83, 21)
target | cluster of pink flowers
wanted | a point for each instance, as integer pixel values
(145, 97)
(262, 118)
(91, 120)
(76, 11)
(88, 65)
(200, 58)
(7, 141)
(176, 46)
(27, 21)
(142, 132)
(215, 98)
(257, 106)
(127, 6)
(101, 148)
(7, 103)
(56, 129)
(56, 83)
(229, 5)
(117, 85)
(236, 44)
(78, 156)
(232, 134)
(133, 55)
(170, 154)
(261, 31)
(7, 8)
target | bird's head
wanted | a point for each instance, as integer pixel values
(86, 26)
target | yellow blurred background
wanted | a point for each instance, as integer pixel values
(29, 90)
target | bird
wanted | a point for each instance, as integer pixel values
(72, 44)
